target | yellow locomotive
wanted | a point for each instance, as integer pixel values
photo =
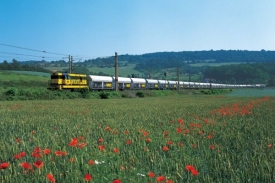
(68, 81)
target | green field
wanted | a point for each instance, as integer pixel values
(172, 139)
(253, 92)
(23, 76)
(215, 64)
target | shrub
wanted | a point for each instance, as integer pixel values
(104, 95)
(140, 94)
(11, 92)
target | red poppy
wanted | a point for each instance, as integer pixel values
(107, 128)
(189, 167)
(81, 145)
(117, 181)
(73, 142)
(38, 164)
(194, 172)
(200, 132)
(165, 132)
(194, 145)
(126, 132)
(145, 134)
(22, 154)
(101, 147)
(18, 140)
(180, 121)
(91, 162)
(81, 138)
(72, 159)
(187, 131)
(165, 148)
(50, 177)
(88, 177)
(26, 165)
(170, 142)
(160, 178)
(128, 142)
(36, 155)
(269, 145)
(151, 174)
(148, 140)
(47, 151)
(115, 150)
(37, 150)
(60, 153)
(211, 147)
(4, 165)
(180, 144)
(100, 140)
(178, 130)
(17, 156)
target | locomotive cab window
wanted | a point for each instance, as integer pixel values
(55, 77)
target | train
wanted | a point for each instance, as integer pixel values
(73, 82)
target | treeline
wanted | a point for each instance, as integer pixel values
(162, 60)
(243, 73)
(15, 65)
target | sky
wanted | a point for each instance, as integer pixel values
(87, 29)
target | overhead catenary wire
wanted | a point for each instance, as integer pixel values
(27, 55)
(33, 49)
(48, 52)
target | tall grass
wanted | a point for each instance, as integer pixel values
(178, 138)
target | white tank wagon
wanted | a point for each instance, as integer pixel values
(138, 84)
(172, 85)
(152, 84)
(100, 82)
(123, 83)
(191, 84)
(163, 84)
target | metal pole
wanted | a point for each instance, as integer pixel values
(178, 78)
(70, 64)
(116, 72)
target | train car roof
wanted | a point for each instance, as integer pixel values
(172, 82)
(100, 78)
(138, 80)
(163, 81)
(152, 81)
(123, 79)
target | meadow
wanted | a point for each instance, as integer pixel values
(171, 139)
(216, 64)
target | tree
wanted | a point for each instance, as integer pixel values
(15, 65)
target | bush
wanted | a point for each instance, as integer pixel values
(114, 94)
(104, 95)
(84, 93)
(11, 92)
(140, 94)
